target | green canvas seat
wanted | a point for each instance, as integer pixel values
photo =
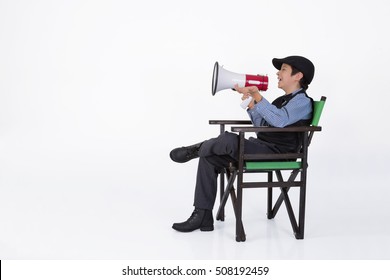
(270, 164)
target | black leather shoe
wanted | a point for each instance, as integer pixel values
(185, 154)
(200, 219)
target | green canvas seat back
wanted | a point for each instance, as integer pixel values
(317, 111)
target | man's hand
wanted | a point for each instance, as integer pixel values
(247, 92)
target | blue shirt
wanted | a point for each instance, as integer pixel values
(298, 108)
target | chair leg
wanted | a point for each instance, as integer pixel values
(270, 213)
(279, 201)
(240, 233)
(302, 209)
(225, 195)
(221, 212)
(297, 228)
(290, 210)
(229, 190)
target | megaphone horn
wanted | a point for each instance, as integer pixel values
(224, 79)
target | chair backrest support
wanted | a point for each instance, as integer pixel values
(317, 111)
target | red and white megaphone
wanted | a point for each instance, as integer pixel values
(224, 79)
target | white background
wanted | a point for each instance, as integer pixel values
(94, 95)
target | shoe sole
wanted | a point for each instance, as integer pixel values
(207, 228)
(201, 229)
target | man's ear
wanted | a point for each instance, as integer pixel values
(298, 76)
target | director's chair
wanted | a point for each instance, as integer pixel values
(270, 164)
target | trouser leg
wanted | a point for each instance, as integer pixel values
(206, 180)
(225, 144)
(216, 154)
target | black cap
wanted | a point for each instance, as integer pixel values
(299, 62)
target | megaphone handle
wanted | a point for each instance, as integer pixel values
(246, 102)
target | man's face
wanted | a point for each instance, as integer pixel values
(285, 80)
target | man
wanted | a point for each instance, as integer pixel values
(294, 108)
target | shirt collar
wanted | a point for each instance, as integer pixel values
(295, 92)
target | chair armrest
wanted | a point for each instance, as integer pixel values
(230, 122)
(275, 129)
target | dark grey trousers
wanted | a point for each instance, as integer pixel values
(214, 155)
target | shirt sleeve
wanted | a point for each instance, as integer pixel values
(298, 108)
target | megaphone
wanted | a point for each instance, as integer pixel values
(224, 79)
